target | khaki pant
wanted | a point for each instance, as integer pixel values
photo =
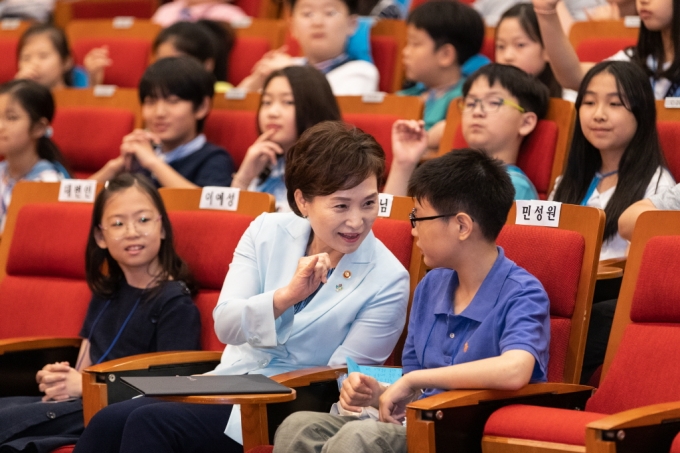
(316, 432)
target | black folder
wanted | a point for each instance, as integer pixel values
(205, 385)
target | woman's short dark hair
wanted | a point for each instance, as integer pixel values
(469, 181)
(38, 102)
(58, 39)
(313, 97)
(183, 77)
(329, 157)
(102, 272)
(641, 158)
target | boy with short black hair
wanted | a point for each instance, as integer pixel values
(322, 28)
(176, 97)
(500, 108)
(443, 39)
(477, 320)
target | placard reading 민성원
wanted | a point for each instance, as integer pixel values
(538, 213)
(78, 190)
(385, 204)
(221, 198)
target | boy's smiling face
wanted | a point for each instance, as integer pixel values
(322, 27)
(494, 131)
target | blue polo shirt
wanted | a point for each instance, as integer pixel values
(510, 311)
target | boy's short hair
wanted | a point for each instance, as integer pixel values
(450, 22)
(466, 180)
(352, 5)
(531, 94)
(183, 77)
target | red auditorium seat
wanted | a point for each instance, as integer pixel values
(253, 40)
(543, 153)
(9, 38)
(97, 9)
(669, 136)
(88, 153)
(597, 40)
(598, 49)
(640, 368)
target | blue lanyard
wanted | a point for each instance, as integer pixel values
(115, 339)
(593, 185)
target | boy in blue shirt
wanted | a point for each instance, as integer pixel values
(442, 43)
(477, 320)
(500, 108)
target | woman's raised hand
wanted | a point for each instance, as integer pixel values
(545, 6)
(310, 273)
(260, 154)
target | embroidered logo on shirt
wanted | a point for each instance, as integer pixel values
(465, 348)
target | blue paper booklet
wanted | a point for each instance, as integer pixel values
(381, 374)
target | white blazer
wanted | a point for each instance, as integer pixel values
(360, 317)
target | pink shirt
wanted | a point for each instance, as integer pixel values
(178, 11)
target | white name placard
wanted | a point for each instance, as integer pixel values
(631, 21)
(671, 103)
(222, 198)
(376, 97)
(77, 190)
(385, 204)
(123, 22)
(538, 213)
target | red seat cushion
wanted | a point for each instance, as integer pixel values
(44, 292)
(88, 156)
(234, 130)
(536, 155)
(142, 9)
(541, 423)
(675, 446)
(396, 235)
(489, 48)
(8, 59)
(195, 233)
(669, 136)
(379, 126)
(250, 7)
(64, 449)
(130, 57)
(246, 52)
(598, 49)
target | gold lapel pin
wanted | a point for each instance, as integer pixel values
(347, 274)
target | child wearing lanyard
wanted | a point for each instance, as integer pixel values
(26, 111)
(615, 157)
(176, 95)
(140, 305)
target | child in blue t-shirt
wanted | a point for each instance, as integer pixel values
(500, 108)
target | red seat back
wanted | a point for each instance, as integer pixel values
(379, 126)
(598, 49)
(555, 258)
(8, 59)
(250, 7)
(108, 127)
(130, 57)
(207, 240)
(234, 130)
(644, 370)
(536, 156)
(44, 292)
(142, 9)
(385, 52)
(247, 51)
(669, 136)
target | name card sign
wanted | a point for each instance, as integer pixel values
(104, 91)
(538, 213)
(77, 190)
(671, 103)
(236, 94)
(631, 21)
(9, 24)
(376, 97)
(220, 198)
(385, 204)
(123, 22)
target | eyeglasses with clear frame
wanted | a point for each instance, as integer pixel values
(488, 105)
(143, 226)
(412, 217)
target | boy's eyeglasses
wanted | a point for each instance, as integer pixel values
(143, 226)
(412, 217)
(488, 105)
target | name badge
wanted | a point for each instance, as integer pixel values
(538, 213)
(221, 198)
(385, 204)
(77, 190)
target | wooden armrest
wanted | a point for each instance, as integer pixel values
(307, 376)
(33, 343)
(641, 416)
(142, 361)
(608, 272)
(614, 262)
(457, 398)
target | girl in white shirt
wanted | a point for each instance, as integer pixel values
(615, 157)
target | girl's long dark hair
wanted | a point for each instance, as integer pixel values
(526, 16)
(641, 158)
(102, 272)
(650, 44)
(38, 102)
